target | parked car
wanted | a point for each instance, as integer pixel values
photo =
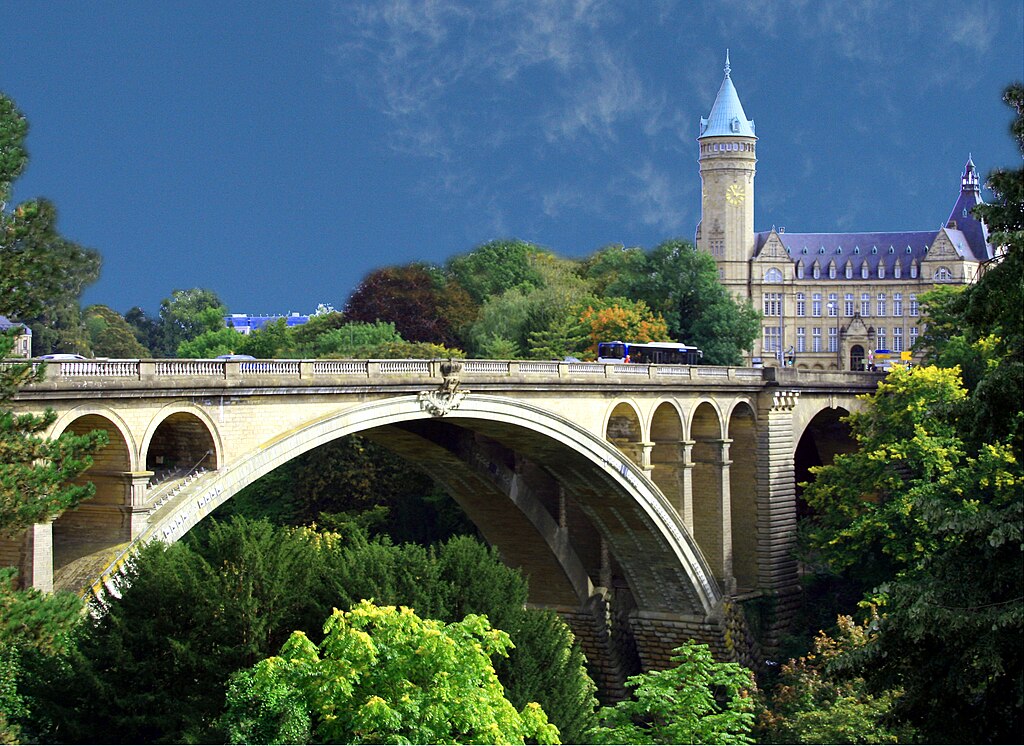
(61, 356)
(234, 357)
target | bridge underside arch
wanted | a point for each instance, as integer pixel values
(580, 514)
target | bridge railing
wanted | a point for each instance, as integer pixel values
(298, 372)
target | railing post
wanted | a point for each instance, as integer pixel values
(305, 370)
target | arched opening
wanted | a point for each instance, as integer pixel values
(709, 517)
(625, 432)
(825, 437)
(181, 444)
(743, 497)
(668, 459)
(856, 357)
(102, 521)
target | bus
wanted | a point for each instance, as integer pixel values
(662, 353)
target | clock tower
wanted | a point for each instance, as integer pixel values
(727, 164)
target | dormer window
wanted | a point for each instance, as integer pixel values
(821, 250)
(913, 270)
(831, 270)
(881, 271)
(816, 271)
(849, 270)
(800, 270)
(892, 250)
(909, 250)
(856, 249)
(874, 249)
(864, 271)
(734, 125)
(897, 270)
(839, 249)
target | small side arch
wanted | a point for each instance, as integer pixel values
(181, 436)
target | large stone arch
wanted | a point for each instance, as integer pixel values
(746, 544)
(110, 419)
(659, 560)
(181, 435)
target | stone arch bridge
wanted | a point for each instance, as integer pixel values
(642, 501)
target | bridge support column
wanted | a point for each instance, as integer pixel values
(712, 513)
(673, 473)
(776, 511)
(37, 571)
(136, 484)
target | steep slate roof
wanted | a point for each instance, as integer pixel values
(969, 237)
(727, 118)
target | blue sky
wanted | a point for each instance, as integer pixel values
(276, 152)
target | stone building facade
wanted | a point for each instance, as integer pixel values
(829, 300)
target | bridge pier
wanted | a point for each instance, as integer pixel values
(712, 514)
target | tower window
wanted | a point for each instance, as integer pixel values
(773, 275)
(942, 274)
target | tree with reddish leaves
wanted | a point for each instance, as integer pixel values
(423, 305)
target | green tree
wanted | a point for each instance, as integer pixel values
(696, 701)
(40, 271)
(384, 675)
(184, 316)
(812, 703)
(496, 267)
(681, 283)
(110, 335)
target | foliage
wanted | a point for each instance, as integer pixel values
(619, 318)
(415, 298)
(681, 284)
(229, 595)
(696, 701)
(184, 316)
(110, 335)
(813, 704)
(384, 675)
(495, 267)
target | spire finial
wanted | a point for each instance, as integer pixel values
(727, 68)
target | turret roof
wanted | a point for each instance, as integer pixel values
(727, 118)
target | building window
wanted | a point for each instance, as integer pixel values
(897, 270)
(848, 304)
(897, 339)
(816, 339)
(816, 271)
(942, 274)
(800, 270)
(913, 305)
(816, 304)
(772, 339)
(721, 273)
(773, 275)
(773, 304)
(833, 338)
(801, 339)
(865, 304)
(833, 304)
(881, 304)
(864, 271)
(913, 270)
(832, 271)
(913, 337)
(801, 305)
(882, 341)
(718, 247)
(881, 271)
(897, 304)
(849, 271)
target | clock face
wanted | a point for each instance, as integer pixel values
(734, 194)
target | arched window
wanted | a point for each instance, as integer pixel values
(849, 270)
(897, 270)
(774, 274)
(800, 270)
(864, 270)
(913, 270)
(831, 270)
(881, 271)
(942, 274)
(816, 271)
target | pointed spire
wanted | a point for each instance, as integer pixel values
(727, 117)
(969, 181)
